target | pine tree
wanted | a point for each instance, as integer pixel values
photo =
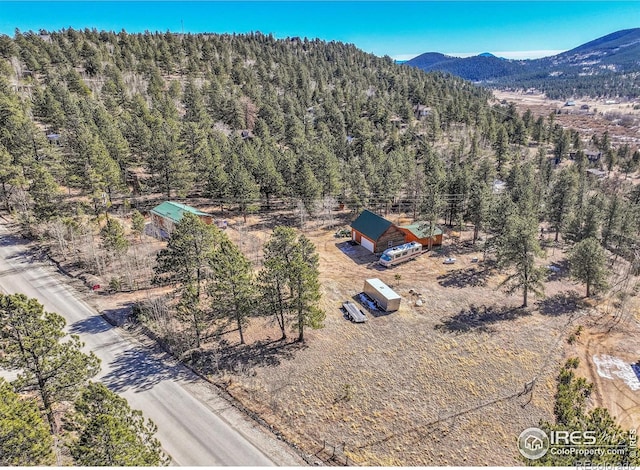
(9, 176)
(433, 201)
(232, 286)
(24, 436)
(242, 187)
(479, 206)
(571, 414)
(561, 203)
(268, 178)
(289, 281)
(612, 218)
(166, 159)
(588, 264)
(273, 278)
(45, 194)
(113, 237)
(111, 434)
(501, 147)
(307, 187)
(31, 342)
(137, 223)
(185, 262)
(305, 286)
(518, 248)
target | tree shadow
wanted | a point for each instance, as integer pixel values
(30, 254)
(560, 304)
(243, 358)
(470, 277)
(13, 240)
(91, 325)
(480, 318)
(558, 270)
(141, 369)
(118, 316)
(464, 248)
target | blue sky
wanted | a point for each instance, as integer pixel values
(513, 29)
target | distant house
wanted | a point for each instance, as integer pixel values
(53, 139)
(570, 103)
(421, 111)
(592, 155)
(166, 215)
(420, 232)
(375, 233)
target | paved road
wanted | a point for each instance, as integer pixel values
(191, 432)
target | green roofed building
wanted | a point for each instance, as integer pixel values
(375, 233)
(420, 232)
(166, 215)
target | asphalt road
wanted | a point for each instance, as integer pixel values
(190, 432)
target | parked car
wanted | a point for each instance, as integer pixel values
(449, 261)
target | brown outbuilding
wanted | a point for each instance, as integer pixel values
(420, 232)
(375, 233)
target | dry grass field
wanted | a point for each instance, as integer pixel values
(451, 378)
(450, 382)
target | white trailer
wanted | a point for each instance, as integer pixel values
(382, 295)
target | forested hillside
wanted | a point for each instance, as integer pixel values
(232, 117)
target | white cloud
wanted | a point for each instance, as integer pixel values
(404, 56)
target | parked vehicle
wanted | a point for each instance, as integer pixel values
(449, 261)
(343, 233)
(400, 254)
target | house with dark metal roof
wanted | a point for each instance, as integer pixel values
(166, 215)
(375, 233)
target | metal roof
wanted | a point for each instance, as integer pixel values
(174, 211)
(383, 289)
(371, 225)
(422, 229)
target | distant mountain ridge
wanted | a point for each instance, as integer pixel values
(612, 61)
